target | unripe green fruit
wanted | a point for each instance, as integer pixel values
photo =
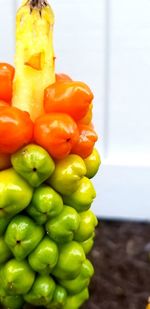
(70, 230)
(87, 245)
(67, 175)
(16, 277)
(22, 236)
(44, 258)
(92, 163)
(82, 281)
(62, 228)
(15, 193)
(12, 302)
(71, 257)
(83, 197)
(88, 222)
(46, 203)
(41, 292)
(76, 301)
(59, 299)
(34, 164)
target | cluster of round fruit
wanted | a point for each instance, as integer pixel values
(44, 242)
(65, 126)
(46, 225)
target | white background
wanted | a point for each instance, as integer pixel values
(106, 43)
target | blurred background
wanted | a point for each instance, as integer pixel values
(106, 43)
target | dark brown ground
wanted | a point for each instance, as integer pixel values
(121, 256)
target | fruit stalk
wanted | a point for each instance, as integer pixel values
(34, 58)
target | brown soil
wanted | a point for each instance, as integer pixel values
(121, 256)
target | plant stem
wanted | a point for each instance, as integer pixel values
(35, 69)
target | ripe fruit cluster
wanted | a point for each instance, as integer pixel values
(46, 225)
(64, 128)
